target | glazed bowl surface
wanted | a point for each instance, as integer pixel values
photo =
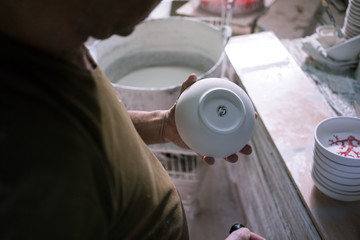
(215, 117)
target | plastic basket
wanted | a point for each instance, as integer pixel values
(185, 170)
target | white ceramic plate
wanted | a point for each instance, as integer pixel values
(332, 153)
(353, 14)
(354, 20)
(335, 168)
(335, 178)
(342, 188)
(330, 193)
(336, 165)
(352, 27)
(355, 5)
(348, 50)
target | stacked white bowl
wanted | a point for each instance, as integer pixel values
(336, 166)
(351, 26)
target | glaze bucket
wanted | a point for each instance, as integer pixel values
(175, 41)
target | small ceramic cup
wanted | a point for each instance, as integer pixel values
(327, 35)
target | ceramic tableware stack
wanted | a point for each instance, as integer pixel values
(351, 26)
(336, 166)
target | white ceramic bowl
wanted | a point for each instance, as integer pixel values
(336, 165)
(348, 50)
(335, 178)
(336, 169)
(215, 117)
(338, 139)
(345, 188)
(338, 195)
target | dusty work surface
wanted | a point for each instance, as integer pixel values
(218, 206)
(290, 106)
(291, 19)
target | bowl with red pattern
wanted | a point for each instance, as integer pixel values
(338, 139)
(336, 165)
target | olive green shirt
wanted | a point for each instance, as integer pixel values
(72, 165)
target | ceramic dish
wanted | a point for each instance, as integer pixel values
(335, 169)
(335, 178)
(331, 193)
(325, 184)
(343, 188)
(351, 25)
(215, 117)
(340, 167)
(345, 51)
(338, 139)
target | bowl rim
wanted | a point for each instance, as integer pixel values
(224, 31)
(340, 178)
(342, 188)
(336, 179)
(346, 188)
(331, 51)
(319, 143)
(318, 157)
(335, 165)
(331, 193)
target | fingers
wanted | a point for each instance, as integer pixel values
(240, 234)
(208, 160)
(254, 236)
(232, 158)
(188, 82)
(244, 234)
(247, 150)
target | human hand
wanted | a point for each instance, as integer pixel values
(171, 134)
(170, 131)
(244, 234)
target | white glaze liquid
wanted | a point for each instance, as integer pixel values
(159, 76)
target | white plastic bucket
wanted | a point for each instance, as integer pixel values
(174, 42)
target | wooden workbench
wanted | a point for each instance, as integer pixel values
(274, 185)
